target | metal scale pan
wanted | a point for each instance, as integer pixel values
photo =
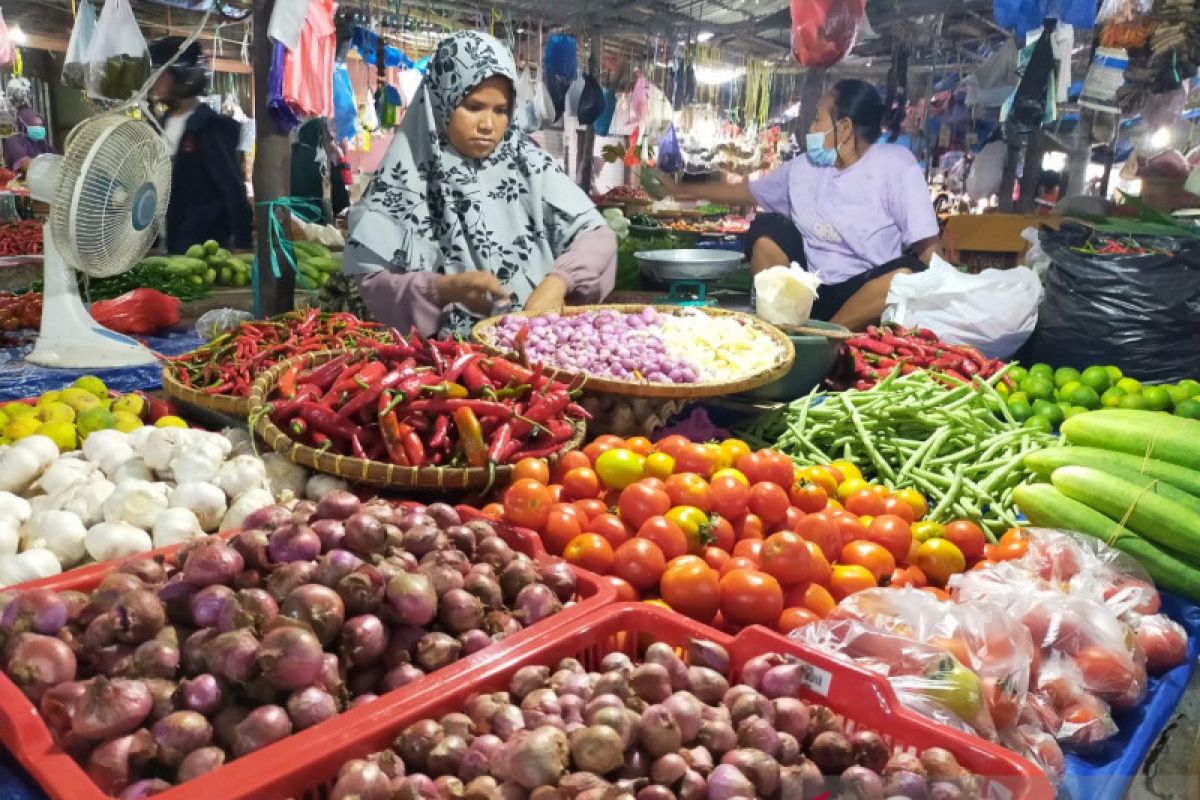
(687, 272)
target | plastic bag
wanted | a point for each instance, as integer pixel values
(637, 101)
(526, 101)
(8, 50)
(591, 104)
(544, 104)
(823, 31)
(573, 95)
(785, 295)
(345, 111)
(994, 311)
(219, 321)
(604, 121)
(140, 312)
(287, 20)
(118, 61)
(75, 63)
(619, 124)
(1135, 312)
(670, 157)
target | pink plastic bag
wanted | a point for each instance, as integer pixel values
(823, 31)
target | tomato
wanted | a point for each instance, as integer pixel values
(864, 501)
(730, 472)
(660, 465)
(821, 529)
(581, 482)
(967, 537)
(619, 468)
(915, 500)
(954, 686)
(741, 562)
(642, 501)
(769, 501)
(822, 477)
(808, 497)
(672, 444)
(1105, 671)
(718, 558)
(1011, 548)
(849, 527)
(796, 617)
(916, 576)
(899, 578)
(666, 534)
(818, 565)
(533, 468)
(729, 496)
(750, 526)
(849, 487)
(813, 596)
(1002, 702)
(610, 527)
(570, 460)
(1013, 535)
(590, 551)
(609, 440)
(555, 492)
(625, 592)
(767, 465)
(791, 519)
(752, 466)
(695, 526)
(892, 533)
(879, 489)
(692, 589)
(939, 559)
(493, 511)
(848, 579)
(561, 527)
(591, 507)
(750, 598)
(721, 532)
(654, 483)
(878, 561)
(785, 557)
(641, 562)
(925, 530)
(749, 548)
(594, 450)
(894, 506)
(847, 469)
(732, 450)
(527, 503)
(696, 458)
(640, 445)
(689, 489)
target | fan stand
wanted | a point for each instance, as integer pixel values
(69, 337)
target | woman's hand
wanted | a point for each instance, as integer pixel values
(550, 295)
(476, 291)
(670, 186)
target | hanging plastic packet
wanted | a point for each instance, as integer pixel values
(670, 157)
(118, 60)
(75, 63)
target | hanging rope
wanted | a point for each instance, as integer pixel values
(278, 241)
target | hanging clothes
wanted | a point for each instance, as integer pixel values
(308, 70)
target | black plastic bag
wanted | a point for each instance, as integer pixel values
(591, 101)
(1139, 313)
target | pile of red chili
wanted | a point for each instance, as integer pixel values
(21, 238)
(870, 356)
(427, 402)
(232, 362)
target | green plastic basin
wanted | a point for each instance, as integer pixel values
(814, 361)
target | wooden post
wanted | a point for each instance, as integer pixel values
(1033, 168)
(272, 175)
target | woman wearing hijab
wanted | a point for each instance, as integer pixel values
(466, 214)
(30, 140)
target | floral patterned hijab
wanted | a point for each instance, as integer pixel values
(430, 209)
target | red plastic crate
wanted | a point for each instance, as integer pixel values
(864, 699)
(254, 776)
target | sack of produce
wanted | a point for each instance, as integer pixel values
(118, 60)
(141, 312)
(75, 64)
(823, 31)
(994, 311)
(785, 295)
(1134, 311)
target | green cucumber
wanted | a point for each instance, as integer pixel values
(156, 262)
(1158, 519)
(1134, 469)
(1151, 434)
(1046, 507)
(195, 251)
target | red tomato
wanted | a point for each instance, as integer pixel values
(791, 519)
(555, 492)
(864, 502)
(893, 533)
(625, 592)
(610, 527)
(813, 596)
(561, 527)
(590, 551)
(640, 445)
(750, 526)
(672, 444)
(752, 466)
(581, 483)
(654, 483)
(610, 441)
(849, 527)
(597, 449)
(750, 598)
(821, 529)
(692, 588)
(899, 508)
(641, 501)
(1104, 671)
(808, 497)
(695, 458)
(527, 503)
(729, 496)
(878, 561)
(721, 531)
(778, 468)
(570, 460)
(968, 537)
(785, 557)
(535, 468)
(818, 566)
(591, 507)
(641, 562)
(718, 559)
(493, 511)
(689, 489)
(666, 534)
(741, 562)
(769, 501)
(749, 548)
(797, 617)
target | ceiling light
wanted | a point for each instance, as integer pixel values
(17, 35)
(704, 36)
(714, 76)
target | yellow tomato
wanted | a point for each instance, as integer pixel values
(925, 530)
(939, 559)
(865, 519)
(715, 454)
(733, 473)
(821, 477)
(731, 451)
(660, 465)
(848, 470)
(914, 500)
(619, 468)
(691, 520)
(850, 486)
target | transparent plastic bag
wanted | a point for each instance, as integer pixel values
(75, 63)
(220, 320)
(118, 61)
(823, 31)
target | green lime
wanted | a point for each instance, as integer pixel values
(1065, 407)
(1041, 371)
(1112, 397)
(1086, 397)
(1193, 387)
(1114, 374)
(1129, 385)
(1189, 409)
(1020, 410)
(1157, 398)
(1018, 374)
(1096, 378)
(1039, 388)
(1065, 375)
(1039, 423)
(1018, 397)
(1065, 390)
(1178, 393)
(1134, 401)
(1075, 411)
(1051, 412)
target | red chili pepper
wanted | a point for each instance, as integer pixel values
(474, 379)
(871, 345)
(470, 436)
(441, 432)
(539, 451)
(324, 376)
(325, 420)
(446, 389)
(365, 398)
(435, 357)
(287, 382)
(389, 426)
(481, 408)
(466, 356)
(500, 441)
(578, 411)
(414, 448)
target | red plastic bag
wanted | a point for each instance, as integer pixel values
(823, 31)
(138, 313)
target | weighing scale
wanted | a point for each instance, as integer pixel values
(687, 273)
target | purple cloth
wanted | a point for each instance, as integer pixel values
(856, 218)
(19, 148)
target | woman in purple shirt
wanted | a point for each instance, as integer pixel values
(854, 212)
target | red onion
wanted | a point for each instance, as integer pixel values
(869, 750)
(290, 658)
(208, 603)
(74, 601)
(651, 682)
(717, 737)
(252, 545)
(112, 765)
(401, 644)
(335, 565)
(364, 535)
(145, 788)
(789, 749)
(802, 781)
(57, 706)
(940, 764)
(293, 542)
(317, 606)
(473, 641)
(491, 549)
(179, 734)
(114, 661)
(201, 693)
(212, 561)
(743, 702)
(437, 650)
(331, 532)
(707, 684)
(906, 784)
(860, 783)
(904, 762)
(224, 722)
(162, 696)
(38, 662)
(338, 504)
(830, 751)
(501, 624)
(231, 655)
(361, 780)
(192, 655)
(363, 640)
(444, 577)
(537, 758)
(110, 707)
(399, 676)
(268, 518)
(461, 538)
(362, 700)
(785, 680)
(311, 706)
(460, 611)
(791, 716)
(443, 514)
(515, 576)
(263, 726)
(758, 766)
(757, 733)
(578, 684)
(303, 511)
(107, 593)
(485, 588)
(249, 579)
(616, 662)
(597, 748)
(727, 782)
(35, 610)
(101, 631)
(705, 653)
(478, 758)
(422, 539)
(200, 762)
(755, 668)
(330, 677)
(447, 755)
(535, 603)
(362, 590)
(664, 655)
(413, 598)
(821, 719)
(659, 733)
(253, 609)
(527, 680)
(416, 742)
(560, 577)
(686, 708)
(287, 577)
(149, 570)
(153, 659)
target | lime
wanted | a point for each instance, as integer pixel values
(1157, 398)
(1134, 401)
(1178, 393)
(14, 410)
(133, 404)
(1086, 397)
(1065, 375)
(1075, 411)
(1041, 371)
(1111, 397)
(1018, 397)
(1051, 412)
(1018, 374)
(1193, 387)
(1039, 423)
(80, 399)
(1095, 378)
(126, 422)
(90, 383)
(49, 397)
(95, 419)
(3, 420)
(20, 427)
(1114, 374)
(1129, 385)
(1189, 409)
(57, 412)
(170, 421)
(61, 433)
(1039, 388)
(1064, 407)
(1020, 410)
(1065, 390)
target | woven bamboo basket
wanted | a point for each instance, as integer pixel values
(373, 473)
(228, 404)
(482, 333)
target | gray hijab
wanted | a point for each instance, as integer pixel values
(429, 209)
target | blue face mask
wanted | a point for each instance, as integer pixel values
(36, 132)
(818, 153)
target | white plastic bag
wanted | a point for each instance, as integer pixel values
(784, 295)
(526, 101)
(287, 20)
(118, 60)
(994, 311)
(544, 104)
(75, 63)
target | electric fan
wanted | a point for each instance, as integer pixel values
(108, 193)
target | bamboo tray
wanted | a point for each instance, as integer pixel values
(372, 473)
(229, 404)
(481, 333)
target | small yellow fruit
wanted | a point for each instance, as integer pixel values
(3, 419)
(126, 422)
(95, 419)
(80, 399)
(49, 397)
(57, 412)
(90, 383)
(19, 428)
(133, 404)
(170, 421)
(14, 410)
(61, 433)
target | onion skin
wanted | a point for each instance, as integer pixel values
(179, 734)
(704, 653)
(364, 535)
(212, 561)
(57, 706)
(870, 750)
(263, 726)
(110, 708)
(37, 662)
(112, 764)
(231, 655)
(727, 782)
(199, 762)
(311, 706)
(35, 611)
(597, 748)
(907, 784)
(413, 598)
(537, 758)
(290, 658)
(208, 604)
(337, 505)
(447, 755)
(437, 650)
(707, 684)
